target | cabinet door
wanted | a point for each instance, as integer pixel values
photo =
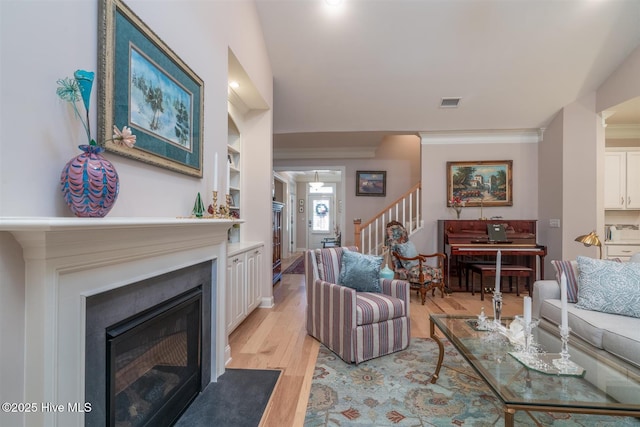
(235, 294)
(614, 180)
(254, 268)
(633, 180)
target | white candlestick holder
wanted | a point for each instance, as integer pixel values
(497, 308)
(563, 364)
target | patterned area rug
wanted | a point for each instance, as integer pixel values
(296, 267)
(394, 390)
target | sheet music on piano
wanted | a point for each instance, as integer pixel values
(497, 233)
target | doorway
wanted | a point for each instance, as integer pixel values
(321, 215)
(299, 204)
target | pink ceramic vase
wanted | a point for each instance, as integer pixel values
(89, 183)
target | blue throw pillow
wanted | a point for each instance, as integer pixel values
(360, 272)
(609, 286)
(408, 250)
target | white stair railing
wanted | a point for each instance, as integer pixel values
(370, 236)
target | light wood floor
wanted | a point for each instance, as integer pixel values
(276, 338)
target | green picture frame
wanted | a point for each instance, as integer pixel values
(146, 86)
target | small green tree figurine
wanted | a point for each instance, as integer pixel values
(198, 207)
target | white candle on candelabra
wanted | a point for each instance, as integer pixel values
(498, 261)
(527, 310)
(563, 302)
(215, 172)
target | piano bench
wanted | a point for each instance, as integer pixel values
(510, 271)
(464, 265)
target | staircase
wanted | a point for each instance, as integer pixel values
(369, 236)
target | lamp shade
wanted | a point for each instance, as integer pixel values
(590, 239)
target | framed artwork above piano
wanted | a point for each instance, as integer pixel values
(480, 183)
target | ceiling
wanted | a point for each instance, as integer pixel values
(383, 66)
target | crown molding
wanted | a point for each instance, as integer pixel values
(622, 132)
(510, 136)
(324, 153)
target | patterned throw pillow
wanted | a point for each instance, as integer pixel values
(609, 286)
(570, 270)
(360, 272)
(408, 250)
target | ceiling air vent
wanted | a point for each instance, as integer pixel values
(449, 102)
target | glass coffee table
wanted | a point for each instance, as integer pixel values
(605, 388)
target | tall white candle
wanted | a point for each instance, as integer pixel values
(215, 172)
(498, 261)
(527, 310)
(563, 302)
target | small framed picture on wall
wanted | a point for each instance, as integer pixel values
(371, 183)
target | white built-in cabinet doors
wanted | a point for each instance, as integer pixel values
(243, 285)
(254, 269)
(622, 180)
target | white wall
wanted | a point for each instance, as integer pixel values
(581, 155)
(551, 191)
(43, 41)
(434, 182)
(622, 85)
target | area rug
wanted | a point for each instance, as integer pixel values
(395, 390)
(237, 399)
(296, 267)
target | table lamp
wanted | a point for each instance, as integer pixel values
(590, 239)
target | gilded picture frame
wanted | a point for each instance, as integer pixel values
(146, 86)
(486, 183)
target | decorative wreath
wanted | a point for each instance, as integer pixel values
(321, 209)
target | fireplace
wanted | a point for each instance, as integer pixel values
(145, 357)
(83, 275)
(153, 363)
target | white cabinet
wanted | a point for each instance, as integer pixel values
(235, 291)
(254, 269)
(633, 179)
(243, 285)
(622, 180)
(622, 251)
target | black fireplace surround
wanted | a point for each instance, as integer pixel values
(155, 337)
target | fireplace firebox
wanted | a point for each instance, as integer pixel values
(153, 363)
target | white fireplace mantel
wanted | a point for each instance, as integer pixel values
(70, 259)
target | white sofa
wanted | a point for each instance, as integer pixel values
(614, 334)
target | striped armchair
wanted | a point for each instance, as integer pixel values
(357, 326)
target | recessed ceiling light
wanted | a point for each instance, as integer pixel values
(234, 84)
(333, 2)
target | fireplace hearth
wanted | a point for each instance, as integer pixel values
(153, 363)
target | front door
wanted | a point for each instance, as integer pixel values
(321, 218)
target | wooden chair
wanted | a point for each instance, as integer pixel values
(414, 267)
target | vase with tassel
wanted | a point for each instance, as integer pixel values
(89, 183)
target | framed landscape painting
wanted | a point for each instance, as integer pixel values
(371, 183)
(146, 86)
(486, 183)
